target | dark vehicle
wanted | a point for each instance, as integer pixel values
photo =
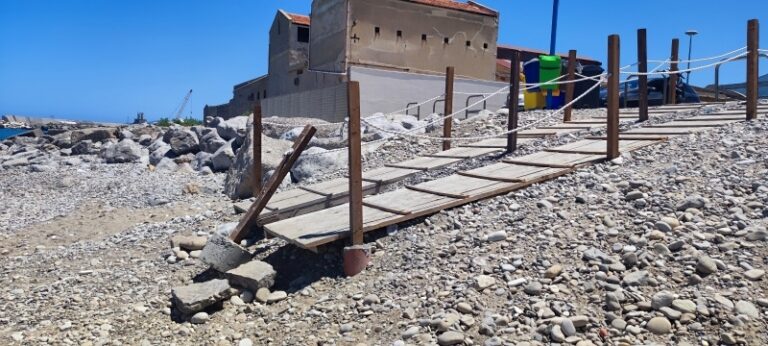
(629, 94)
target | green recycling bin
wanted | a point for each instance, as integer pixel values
(550, 67)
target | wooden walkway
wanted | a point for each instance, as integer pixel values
(323, 226)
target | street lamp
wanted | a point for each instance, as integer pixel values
(691, 34)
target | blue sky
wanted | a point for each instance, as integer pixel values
(107, 60)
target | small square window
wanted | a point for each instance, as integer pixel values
(399, 34)
(469, 44)
(377, 31)
(485, 45)
(424, 37)
(446, 40)
(302, 34)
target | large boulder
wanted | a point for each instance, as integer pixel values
(202, 159)
(159, 153)
(317, 161)
(239, 181)
(382, 127)
(182, 140)
(233, 128)
(85, 147)
(124, 151)
(99, 134)
(211, 142)
(223, 158)
(63, 140)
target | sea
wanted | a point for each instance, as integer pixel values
(6, 133)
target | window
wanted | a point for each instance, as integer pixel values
(469, 44)
(265, 94)
(296, 81)
(399, 34)
(485, 45)
(424, 37)
(300, 71)
(446, 40)
(303, 34)
(377, 31)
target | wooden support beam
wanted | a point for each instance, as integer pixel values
(433, 192)
(642, 80)
(448, 122)
(514, 95)
(309, 189)
(753, 44)
(395, 165)
(355, 163)
(387, 209)
(613, 98)
(570, 86)
(537, 164)
(257, 129)
(250, 218)
(672, 86)
(485, 177)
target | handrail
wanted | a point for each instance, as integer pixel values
(434, 105)
(466, 112)
(717, 72)
(418, 109)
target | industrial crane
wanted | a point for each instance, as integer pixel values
(183, 105)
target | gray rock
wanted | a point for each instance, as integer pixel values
(202, 160)
(223, 254)
(159, 154)
(659, 326)
(638, 278)
(662, 299)
(744, 307)
(633, 195)
(84, 147)
(568, 328)
(122, 152)
(239, 181)
(534, 288)
(556, 334)
(252, 275)
(181, 140)
(484, 281)
(317, 161)
(684, 305)
(223, 158)
(211, 142)
(198, 296)
(663, 226)
(706, 266)
(166, 165)
(696, 202)
(450, 338)
(497, 236)
(754, 274)
(100, 134)
(592, 254)
(199, 318)
(276, 296)
(233, 128)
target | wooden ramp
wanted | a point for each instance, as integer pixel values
(314, 229)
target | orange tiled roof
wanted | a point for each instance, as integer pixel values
(461, 6)
(299, 19)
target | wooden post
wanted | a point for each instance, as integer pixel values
(613, 98)
(448, 122)
(642, 79)
(672, 86)
(257, 129)
(570, 87)
(249, 220)
(355, 164)
(753, 54)
(514, 96)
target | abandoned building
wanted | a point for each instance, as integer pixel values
(397, 49)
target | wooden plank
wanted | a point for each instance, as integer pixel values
(574, 126)
(694, 123)
(435, 192)
(405, 199)
(537, 164)
(545, 158)
(387, 175)
(480, 176)
(713, 118)
(249, 219)
(458, 186)
(544, 132)
(337, 187)
(424, 163)
(464, 152)
(660, 131)
(582, 152)
(595, 147)
(624, 137)
(496, 143)
(387, 209)
(522, 172)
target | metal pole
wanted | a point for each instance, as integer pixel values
(672, 88)
(612, 151)
(552, 43)
(642, 79)
(355, 164)
(569, 87)
(257, 129)
(753, 45)
(690, 48)
(514, 95)
(448, 122)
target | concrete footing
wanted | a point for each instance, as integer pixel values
(356, 258)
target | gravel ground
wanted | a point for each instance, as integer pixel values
(668, 247)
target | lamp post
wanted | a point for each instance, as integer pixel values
(552, 41)
(691, 34)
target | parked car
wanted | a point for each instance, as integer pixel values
(629, 93)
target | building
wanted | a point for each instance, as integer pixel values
(397, 49)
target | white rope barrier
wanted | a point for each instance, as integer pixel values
(687, 70)
(704, 59)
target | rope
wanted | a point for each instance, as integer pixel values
(476, 138)
(704, 59)
(686, 70)
(652, 71)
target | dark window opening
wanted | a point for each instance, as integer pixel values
(424, 37)
(300, 71)
(469, 44)
(302, 34)
(258, 95)
(485, 45)
(265, 94)
(296, 81)
(399, 34)
(446, 40)
(377, 31)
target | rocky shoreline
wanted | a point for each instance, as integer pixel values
(669, 247)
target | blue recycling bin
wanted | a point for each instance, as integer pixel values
(531, 72)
